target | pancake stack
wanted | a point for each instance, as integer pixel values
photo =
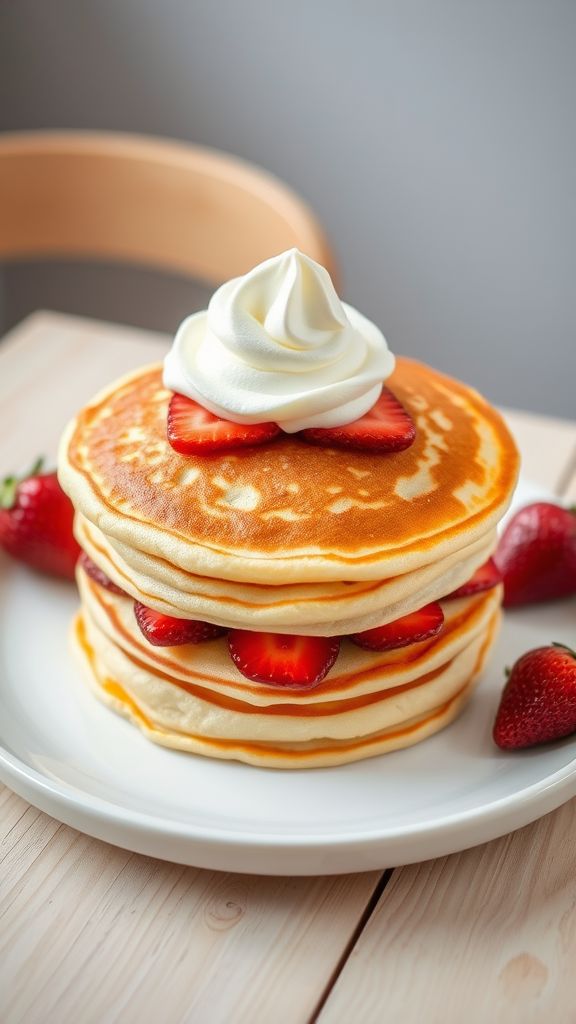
(290, 539)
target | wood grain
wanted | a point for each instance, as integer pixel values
(488, 934)
(485, 935)
(547, 446)
(92, 933)
(569, 495)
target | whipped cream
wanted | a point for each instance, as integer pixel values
(278, 344)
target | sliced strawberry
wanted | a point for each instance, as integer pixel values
(95, 573)
(486, 577)
(168, 631)
(283, 659)
(410, 629)
(387, 427)
(192, 430)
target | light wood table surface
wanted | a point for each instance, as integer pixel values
(93, 934)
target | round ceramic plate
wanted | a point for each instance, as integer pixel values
(72, 757)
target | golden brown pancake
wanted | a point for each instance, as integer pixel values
(313, 609)
(288, 511)
(208, 668)
(289, 538)
(193, 697)
(166, 728)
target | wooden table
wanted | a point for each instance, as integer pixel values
(92, 934)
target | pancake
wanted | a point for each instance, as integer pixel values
(457, 680)
(193, 697)
(287, 538)
(311, 609)
(192, 710)
(207, 668)
(288, 512)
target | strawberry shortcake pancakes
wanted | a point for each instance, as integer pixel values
(286, 532)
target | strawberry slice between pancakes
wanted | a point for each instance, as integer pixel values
(283, 659)
(486, 577)
(410, 629)
(192, 430)
(98, 575)
(169, 631)
(387, 427)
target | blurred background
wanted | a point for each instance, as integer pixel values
(435, 140)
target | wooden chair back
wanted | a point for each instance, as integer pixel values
(154, 202)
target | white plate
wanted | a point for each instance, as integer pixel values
(72, 757)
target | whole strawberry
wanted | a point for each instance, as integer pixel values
(537, 554)
(539, 700)
(36, 523)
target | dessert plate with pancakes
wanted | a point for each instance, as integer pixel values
(70, 755)
(286, 647)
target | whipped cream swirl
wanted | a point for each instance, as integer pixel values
(277, 344)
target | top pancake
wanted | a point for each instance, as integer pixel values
(287, 511)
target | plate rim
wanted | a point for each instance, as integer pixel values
(123, 825)
(99, 807)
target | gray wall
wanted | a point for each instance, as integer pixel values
(435, 139)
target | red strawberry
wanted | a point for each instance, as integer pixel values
(539, 700)
(486, 577)
(168, 631)
(410, 629)
(387, 427)
(282, 659)
(537, 554)
(36, 523)
(95, 573)
(192, 430)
